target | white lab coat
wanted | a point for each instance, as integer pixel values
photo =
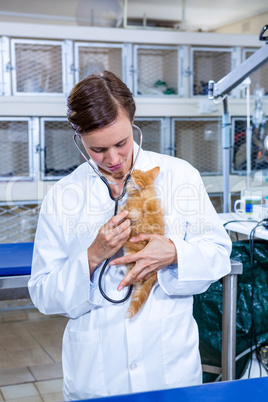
(104, 353)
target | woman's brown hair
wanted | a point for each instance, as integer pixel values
(97, 100)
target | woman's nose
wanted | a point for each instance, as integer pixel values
(112, 156)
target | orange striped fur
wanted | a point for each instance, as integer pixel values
(147, 216)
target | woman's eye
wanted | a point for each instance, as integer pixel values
(97, 151)
(100, 150)
(121, 144)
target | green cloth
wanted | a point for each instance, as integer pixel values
(208, 308)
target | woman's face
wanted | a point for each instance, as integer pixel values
(111, 147)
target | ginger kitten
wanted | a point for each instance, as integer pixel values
(147, 216)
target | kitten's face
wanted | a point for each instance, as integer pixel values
(141, 179)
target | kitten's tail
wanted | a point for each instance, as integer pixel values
(140, 295)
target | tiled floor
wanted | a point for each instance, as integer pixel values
(30, 354)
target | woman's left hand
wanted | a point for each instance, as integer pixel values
(158, 253)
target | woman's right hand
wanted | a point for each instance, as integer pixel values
(110, 238)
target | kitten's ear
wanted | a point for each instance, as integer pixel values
(154, 172)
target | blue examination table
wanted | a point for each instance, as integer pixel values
(252, 390)
(15, 265)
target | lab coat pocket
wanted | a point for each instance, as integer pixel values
(180, 348)
(83, 364)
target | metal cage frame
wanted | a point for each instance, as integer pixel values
(66, 65)
(196, 119)
(5, 78)
(43, 175)
(252, 50)
(165, 147)
(179, 86)
(234, 62)
(126, 58)
(33, 140)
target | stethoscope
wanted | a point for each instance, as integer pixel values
(116, 199)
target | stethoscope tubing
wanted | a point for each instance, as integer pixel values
(115, 199)
(115, 301)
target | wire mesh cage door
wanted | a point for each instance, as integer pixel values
(16, 156)
(96, 57)
(208, 64)
(156, 70)
(259, 146)
(39, 67)
(259, 79)
(198, 141)
(155, 133)
(59, 155)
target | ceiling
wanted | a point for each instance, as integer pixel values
(204, 15)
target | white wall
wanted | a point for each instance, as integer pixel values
(249, 26)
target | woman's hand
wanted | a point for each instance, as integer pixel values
(158, 253)
(110, 238)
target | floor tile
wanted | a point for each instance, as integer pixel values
(30, 356)
(23, 358)
(36, 398)
(16, 315)
(55, 325)
(19, 391)
(49, 386)
(55, 352)
(46, 339)
(15, 376)
(46, 371)
(55, 397)
(8, 328)
(16, 338)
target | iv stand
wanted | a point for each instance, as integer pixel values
(221, 89)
